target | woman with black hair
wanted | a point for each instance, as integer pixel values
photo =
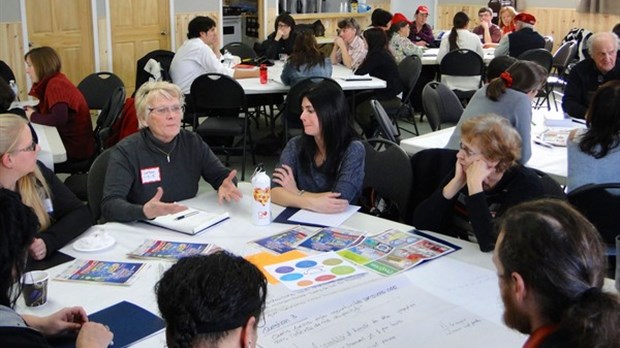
(282, 39)
(212, 300)
(323, 169)
(594, 153)
(19, 225)
(459, 38)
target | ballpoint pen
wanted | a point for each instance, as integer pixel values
(186, 215)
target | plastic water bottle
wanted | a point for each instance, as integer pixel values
(261, 197)
(14, 89)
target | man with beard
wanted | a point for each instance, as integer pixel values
(551, 266)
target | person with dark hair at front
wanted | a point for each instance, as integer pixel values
(200, 54)
(305, 61)
(323, 169)
(487, 180)
(379, 63)
(380, 18)
(61, 105)
(61, 215)
(459, 38)
(510, 96)
(282, 40)
(19, 225)
(524, 37)
(594, 153)
(585, 77)
(400, 45)
(421, 32)
(212, 301)
(488, 32)
(551, 263)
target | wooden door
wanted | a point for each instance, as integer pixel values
(64, 25)
(138, 27)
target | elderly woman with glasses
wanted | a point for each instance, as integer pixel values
(487, 180)
(61, 215)
(149, 171)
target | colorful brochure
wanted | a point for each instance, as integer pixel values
(106, 272)
(332, 239)
(394, 251)
(285, 241)
(163, 249)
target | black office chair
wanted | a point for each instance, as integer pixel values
(109, 114)
(386, 130)
(548, 43)
(292, 104)
(409, 70)
(239, 49)
(462, 63)
(441, 105)
(600, 204)
(97, 88)
(561, 59)
(222, 100)
(388, 173)
(544, 59)
(163, 57)
(94, 183)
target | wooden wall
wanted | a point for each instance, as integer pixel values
(555, 22)
(12, 53)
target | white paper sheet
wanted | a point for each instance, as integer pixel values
(334, 220)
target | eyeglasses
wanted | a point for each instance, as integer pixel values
(467, 150)
(165, 110)
(30, 148)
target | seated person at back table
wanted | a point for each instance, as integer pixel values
(305, 61)
(236, 291)
(200, 54)
(585, 77)
(282, 40)
(551, 263)
(506, 19)
(19, 225)
(149, 171)
(323, 169)
(487, 180)
(459, 38)
(594, 153)
(349, 48)
(524, 37)
(509, 96)
(421, 32)
(61, 215)
(380, 18)
(488, 32)
(400, 45)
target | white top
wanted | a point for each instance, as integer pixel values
(465, 40)
(192, 59)
(52, 148)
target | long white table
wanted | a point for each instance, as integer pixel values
(52, 148)
(430, 56)
(449, 302)
(275, 85)
(552, 161)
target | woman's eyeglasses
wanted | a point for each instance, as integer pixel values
(467, 150)
(165, 110)
(30, 148)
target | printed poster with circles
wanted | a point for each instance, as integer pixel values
(313, 270)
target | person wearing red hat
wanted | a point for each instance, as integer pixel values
(400, 45)
(421, 32)
(488, 32)
(522, 39)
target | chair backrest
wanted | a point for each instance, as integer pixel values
(562, 56)
(548, 43)
(108, 116)
(387, 129)
(440, 104)
(388, 172)
(97, 88)
(163, 57)
(540, 56)
(409, 70)
(214, 91)
(600, 204)
(462, 62)
(94, 183)
(292, 108)
(239, 49)
(6, 72)
(550, 187)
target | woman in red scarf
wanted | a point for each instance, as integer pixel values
(60, 104)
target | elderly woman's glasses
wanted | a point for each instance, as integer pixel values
(467, 150)
(165, 110)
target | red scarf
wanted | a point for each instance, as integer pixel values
(540, 335)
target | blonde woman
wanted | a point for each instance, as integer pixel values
(62, 216)
(506, 19)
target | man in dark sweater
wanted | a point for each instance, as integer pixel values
(523, 39)
(587, 75)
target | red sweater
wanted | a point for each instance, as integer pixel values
(72, 120)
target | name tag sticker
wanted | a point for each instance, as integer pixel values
(150, 175)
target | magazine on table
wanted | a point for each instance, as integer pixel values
(286, 241)
(163, 249)
(190, 221)
(106, 272)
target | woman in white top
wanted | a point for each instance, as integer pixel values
(459, 38)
